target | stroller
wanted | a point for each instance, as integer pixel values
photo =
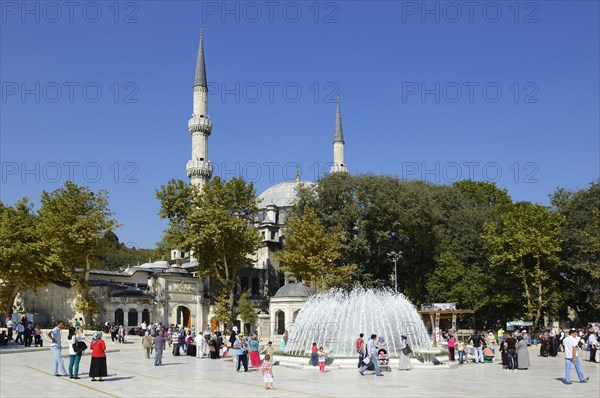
(383, 359)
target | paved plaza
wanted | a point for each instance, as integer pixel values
(28, 374)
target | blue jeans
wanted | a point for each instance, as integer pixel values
(74, 364)
(57, 361)
(512, 359)
(158, 357)
(361, 356)
(568, 364)
(374, 362)
(478, 354)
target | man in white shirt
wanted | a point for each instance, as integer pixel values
(372, 354)
(56, 347)
(593, 344)
(571, 357)
(20, 332)
(9, 326)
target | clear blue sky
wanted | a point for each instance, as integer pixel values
(418, 87)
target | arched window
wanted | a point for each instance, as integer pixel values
(146, 316)
(280, 322)
(132, 317)
(119, 318)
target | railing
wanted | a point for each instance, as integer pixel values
(197, 123)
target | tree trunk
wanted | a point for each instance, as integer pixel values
(526, 288)
(88, 315)
(540, 298)
(231, 302)
(11, 298)
(230, 281)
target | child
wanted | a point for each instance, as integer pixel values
(314, 358)
(461, 352)
(322, 355)
(267, 371)
(121, 333)
(269, 351)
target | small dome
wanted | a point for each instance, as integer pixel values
(284, 194)
(294, 290)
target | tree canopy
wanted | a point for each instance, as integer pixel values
(22, 253)
(311, 253)
(73, 221)
(215, 224)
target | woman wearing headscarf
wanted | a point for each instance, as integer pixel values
(522, 354)
(74, 337)
(404, 363)
(98, 365)
(253, 351)
(147, 342)
(504, 352)
(198, 342)
(490, 340)
(214, 348)
(189, 342)
(553, 345)
(545, 346)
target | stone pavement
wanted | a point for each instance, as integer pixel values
(28, 374)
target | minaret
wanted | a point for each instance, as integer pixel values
(339, 165)
(199, 169)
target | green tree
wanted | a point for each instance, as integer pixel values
(73, 220)
(462, 272)
(223, 307)
(215, 224)
(524, 246)
(116, 255)
(484, 194)
(246, 309)
(310, 252)
(579, 282)
(22, 253)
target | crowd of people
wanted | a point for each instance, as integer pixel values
(26, 333)
(513, 347)
(372, 354)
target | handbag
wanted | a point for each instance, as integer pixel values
(80, 346)
(407, 350)
(367, 360)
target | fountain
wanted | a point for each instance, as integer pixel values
(336, 318)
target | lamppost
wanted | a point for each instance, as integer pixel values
(395, 256)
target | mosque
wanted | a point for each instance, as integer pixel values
(170, 291)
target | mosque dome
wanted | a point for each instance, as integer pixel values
(294, 290)
(283, 194)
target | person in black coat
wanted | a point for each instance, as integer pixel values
(214, 353)
(232, 338)
(504, 353)
(554, 341)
